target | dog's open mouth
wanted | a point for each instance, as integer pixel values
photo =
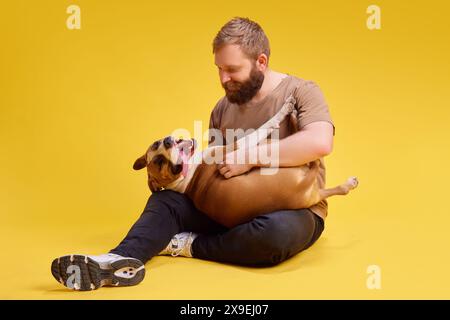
(186, 149)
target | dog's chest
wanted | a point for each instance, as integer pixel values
(202, 183)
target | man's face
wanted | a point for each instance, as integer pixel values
(239, 75)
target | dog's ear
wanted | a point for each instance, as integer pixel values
(140, 163)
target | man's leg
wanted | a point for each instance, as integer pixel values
(266, 240)
(166, 214)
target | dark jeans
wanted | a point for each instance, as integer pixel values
(266, 240)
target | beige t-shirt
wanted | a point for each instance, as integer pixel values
(311, 106)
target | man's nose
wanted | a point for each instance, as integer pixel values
(168, 142)
(224, 77)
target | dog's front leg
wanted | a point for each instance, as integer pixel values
(254, 138)
(214, 153)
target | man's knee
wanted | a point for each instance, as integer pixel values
(279, 236)
(168, 198)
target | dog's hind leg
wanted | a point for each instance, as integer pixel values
(342, 189)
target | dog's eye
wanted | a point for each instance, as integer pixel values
(179, 140)
(159, 161)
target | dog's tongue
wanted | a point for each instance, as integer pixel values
(185, 159)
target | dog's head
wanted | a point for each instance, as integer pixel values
(166, 160)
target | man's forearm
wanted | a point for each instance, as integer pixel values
(294, 150)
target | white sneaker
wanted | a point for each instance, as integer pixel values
(180, 245)
(82, 272)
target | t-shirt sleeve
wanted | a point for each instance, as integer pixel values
(214, 133)
(212, 126)
(311, 105)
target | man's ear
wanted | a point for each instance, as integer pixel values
(140, 163)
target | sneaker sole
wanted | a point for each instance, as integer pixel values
(79, 272)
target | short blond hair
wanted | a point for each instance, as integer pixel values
(247, 34)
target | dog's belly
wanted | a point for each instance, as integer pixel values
(241, 198)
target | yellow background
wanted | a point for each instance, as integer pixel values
(77, 107)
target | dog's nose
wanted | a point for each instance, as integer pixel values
(168, 142)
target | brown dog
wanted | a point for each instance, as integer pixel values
(175, 164)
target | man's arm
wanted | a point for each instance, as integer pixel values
(314, 141)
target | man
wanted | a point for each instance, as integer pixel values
(171, 225)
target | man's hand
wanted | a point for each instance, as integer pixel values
(231, 167)
(231, 170)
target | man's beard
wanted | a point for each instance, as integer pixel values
(241, 93)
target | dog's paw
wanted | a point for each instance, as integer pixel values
(352, 182)
(291, 100)
(289, 105)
